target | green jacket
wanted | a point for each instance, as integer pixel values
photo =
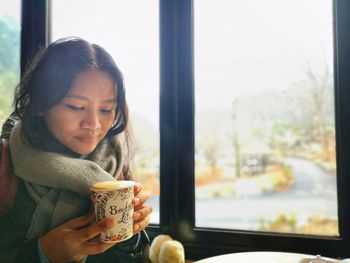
(13, 228)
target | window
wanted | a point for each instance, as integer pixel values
(191, 34)
(9, 54)
(265, 116)
(201, 40)
(129, 32)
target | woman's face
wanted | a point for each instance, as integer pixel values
(82, 119)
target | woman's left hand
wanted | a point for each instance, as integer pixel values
(141, 210)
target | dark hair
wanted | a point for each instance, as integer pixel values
(49, 78)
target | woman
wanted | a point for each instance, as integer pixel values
(73, 131)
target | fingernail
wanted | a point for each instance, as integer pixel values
(136, 228)
(137, 200)
(110, 222)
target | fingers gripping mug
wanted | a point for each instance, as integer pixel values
(113, 199)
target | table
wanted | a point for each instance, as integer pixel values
(268, 257)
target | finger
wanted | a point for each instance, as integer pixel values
(81, 221)
(138, 207)
(93, 240)
(137, 188)
(97, 247)
(90, 232)
(140, 199)
(142, 213)
(141, 225)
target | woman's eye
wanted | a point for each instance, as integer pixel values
(107, 110)
(75, 108)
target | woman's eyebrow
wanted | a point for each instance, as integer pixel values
(112, 100)
(109, 101)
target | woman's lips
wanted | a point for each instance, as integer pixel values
(87, 139)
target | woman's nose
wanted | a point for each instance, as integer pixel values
(91, 121)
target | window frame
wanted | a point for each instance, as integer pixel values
(35, 29)
(177, 104)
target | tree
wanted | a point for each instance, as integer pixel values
(319, 85)
(9, 63)
(211, 152)
(235, 139)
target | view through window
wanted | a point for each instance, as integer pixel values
(129, 31)
(265, 155)
(9, 54)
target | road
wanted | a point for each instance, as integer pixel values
(313, 193)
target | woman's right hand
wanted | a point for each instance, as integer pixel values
(75, 239)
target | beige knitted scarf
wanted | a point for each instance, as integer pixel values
(59, 183)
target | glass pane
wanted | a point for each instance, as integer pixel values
(265, 126)
(9, 54)
(129, 31)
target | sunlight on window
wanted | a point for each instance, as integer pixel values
(9, 54)
(265, 126)
(129, 31)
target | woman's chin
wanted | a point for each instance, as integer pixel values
(84, 150)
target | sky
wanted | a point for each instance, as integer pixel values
(244, 47)
(10, 8)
